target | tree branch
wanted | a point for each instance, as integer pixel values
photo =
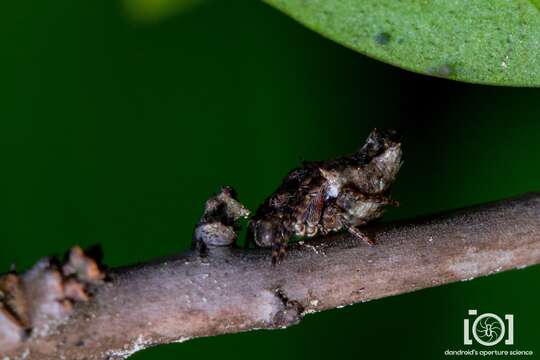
(234, 290)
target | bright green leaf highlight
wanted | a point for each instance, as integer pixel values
(481, 41)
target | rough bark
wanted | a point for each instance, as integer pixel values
(232, 290)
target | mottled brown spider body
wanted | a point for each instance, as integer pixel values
(325, 196)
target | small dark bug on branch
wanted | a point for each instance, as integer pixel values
(325, 196)
(219, 223)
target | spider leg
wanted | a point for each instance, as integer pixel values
(336, 218)
(279, 250)
(282, 250)
(331, 218)
(314, 212)
(359, 234)
(279, 245)
(275, 253)
(359, 208)
(352, 192)
(308, 215)
(381, 199)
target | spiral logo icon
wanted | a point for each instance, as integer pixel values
(488, 329)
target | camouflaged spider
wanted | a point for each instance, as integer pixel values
(333, 195)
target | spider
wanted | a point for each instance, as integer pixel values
(327, 196)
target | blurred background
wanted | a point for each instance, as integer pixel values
(119, 119)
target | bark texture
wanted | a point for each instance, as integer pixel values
(232, 290)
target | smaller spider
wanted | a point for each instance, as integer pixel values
(327, 196)
(218, 225)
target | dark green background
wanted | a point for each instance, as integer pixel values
(115, 132)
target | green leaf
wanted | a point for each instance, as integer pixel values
(481, 41)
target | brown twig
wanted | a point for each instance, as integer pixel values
(234, 290)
